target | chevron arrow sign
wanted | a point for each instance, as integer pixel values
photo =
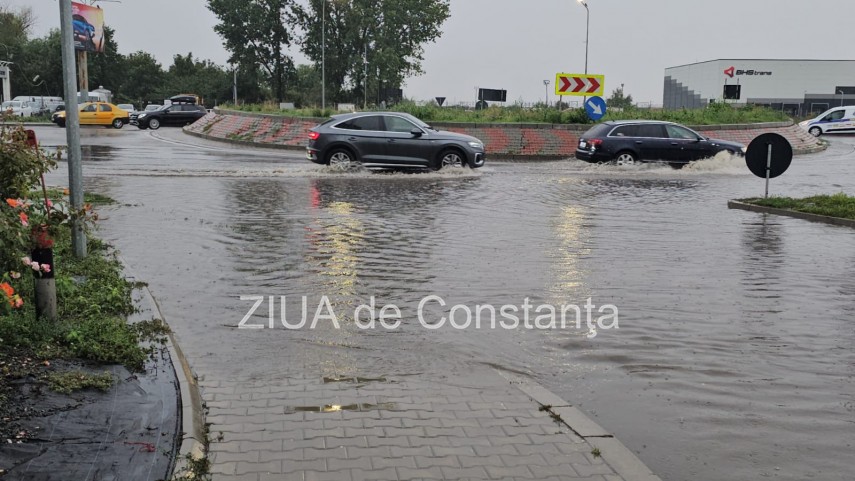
(579, 84)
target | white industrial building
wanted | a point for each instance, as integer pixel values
(795, 86)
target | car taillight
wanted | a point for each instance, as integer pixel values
(595, 142)
(314, 135)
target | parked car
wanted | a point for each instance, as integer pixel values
(390, 139)
(129, 108)
(176, 114)
(18, 108)
(839, 120)
(96, 113)
(628, 142)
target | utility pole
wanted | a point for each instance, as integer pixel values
(72, 129)
(366, 75)
(234, 87)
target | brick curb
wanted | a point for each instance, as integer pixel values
(623, 461)
(839, 221)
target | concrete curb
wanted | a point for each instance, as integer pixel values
(623, 461)
(839, 221)
(193, 432)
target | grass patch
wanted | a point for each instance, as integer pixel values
(837, 205)
(712, 114)
(93, 302)
(88, 197)
(71, 381)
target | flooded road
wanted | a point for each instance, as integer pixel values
(735, 352)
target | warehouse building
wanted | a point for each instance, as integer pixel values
(797, 87)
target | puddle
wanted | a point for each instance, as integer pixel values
(334, 408)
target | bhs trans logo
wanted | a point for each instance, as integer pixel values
(732, 72)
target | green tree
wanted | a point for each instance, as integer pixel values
(389, 34)
(200, 77)
(15, 27)
(42, 57)
(255, 32)
(144, 79)
(618, 100)
(107, 69)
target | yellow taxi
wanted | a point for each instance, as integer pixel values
(97, 113)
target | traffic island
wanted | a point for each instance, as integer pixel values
(837, 209)
(506, 141)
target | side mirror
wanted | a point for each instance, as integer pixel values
(417, 132)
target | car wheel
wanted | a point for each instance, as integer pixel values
(341, 158)
(154, 124)
(815, 131)
(626, 158)
(450, 158)
(118, 124)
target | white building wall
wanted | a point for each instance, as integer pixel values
(790, 80)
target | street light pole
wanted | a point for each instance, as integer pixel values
(546, 92)
(324, 55)
(841, 97)
(584, 3)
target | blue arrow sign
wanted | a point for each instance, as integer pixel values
(596, 108)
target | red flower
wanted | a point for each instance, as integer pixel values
(7, 289)
(14, 203)
(25, 221)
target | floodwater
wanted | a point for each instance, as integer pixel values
(735, 352)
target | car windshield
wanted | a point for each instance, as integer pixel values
(151, 108)
(11, 104)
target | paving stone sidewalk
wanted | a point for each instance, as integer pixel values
(344, 427)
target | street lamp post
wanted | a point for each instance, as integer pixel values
(324, 55)
(546, 92)
(841, 97)
(584, 3)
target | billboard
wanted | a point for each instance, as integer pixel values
(88, 24)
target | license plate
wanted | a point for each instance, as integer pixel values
(583, 145)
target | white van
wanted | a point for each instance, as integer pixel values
(18, 108)
(40, 104)
(839, 120)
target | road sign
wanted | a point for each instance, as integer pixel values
(580, 84)
(769, 156)
(440, 101)
(596, 108)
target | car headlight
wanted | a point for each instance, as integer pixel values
(141, 116)
(476, 145)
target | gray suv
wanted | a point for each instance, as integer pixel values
(390, 139)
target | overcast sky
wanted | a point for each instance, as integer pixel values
(516, 44)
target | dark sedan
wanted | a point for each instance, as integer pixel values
(390, 139)
(179, 114)
(631, 141)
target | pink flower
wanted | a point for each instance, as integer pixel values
(15, 275)
(25, 221)
(45, 267)
(26, 261)
(49, 203)
(35, 266)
